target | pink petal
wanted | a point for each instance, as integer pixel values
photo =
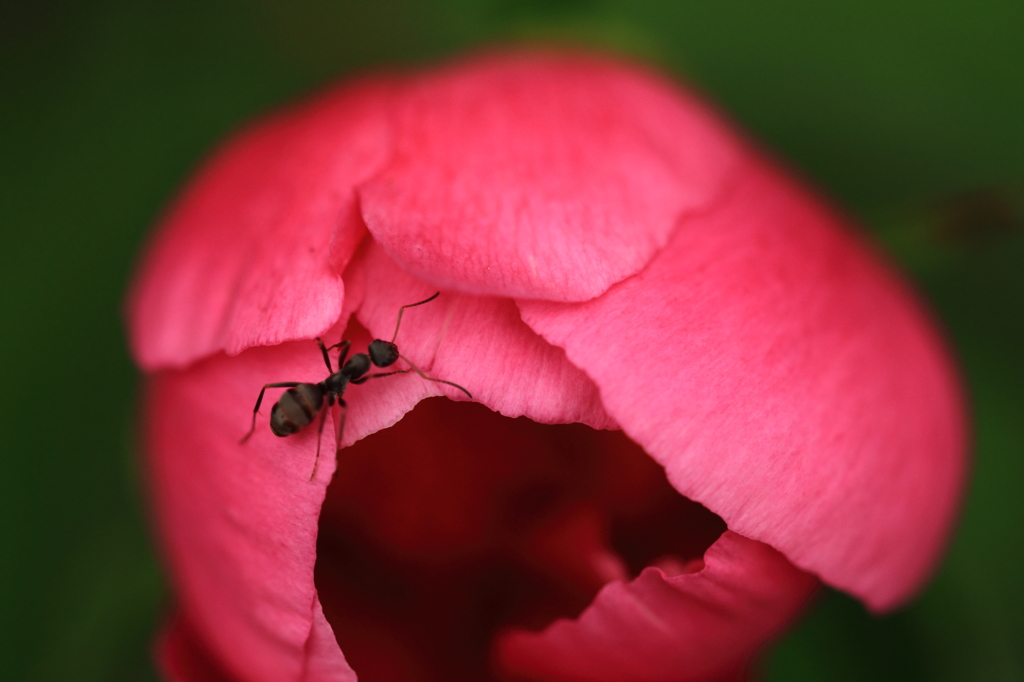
(250, 254)
(239, 522)
(786, 381)
(540, 175)
(479, 342)
(672, 628)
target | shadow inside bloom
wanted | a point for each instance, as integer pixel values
(457, 523)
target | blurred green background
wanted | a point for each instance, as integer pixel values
(910, 114)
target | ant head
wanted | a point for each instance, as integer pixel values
(383, 353)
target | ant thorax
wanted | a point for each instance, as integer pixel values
(357, 366)
(336, 383)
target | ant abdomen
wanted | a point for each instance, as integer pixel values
(296, 409)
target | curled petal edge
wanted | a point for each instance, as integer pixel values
(670, 628)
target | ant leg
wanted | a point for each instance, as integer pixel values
(326, 358)
(338, 412)
(411, 305)
(440, 381)
(319, 437)
(363, 380)
(344, 346)
(255, 410)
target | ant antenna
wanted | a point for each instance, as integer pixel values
(440, 381)
(399, 323)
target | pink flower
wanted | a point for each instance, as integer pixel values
(616, 266)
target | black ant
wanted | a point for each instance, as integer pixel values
(302, 402)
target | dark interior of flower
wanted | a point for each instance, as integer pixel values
(457, 523)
